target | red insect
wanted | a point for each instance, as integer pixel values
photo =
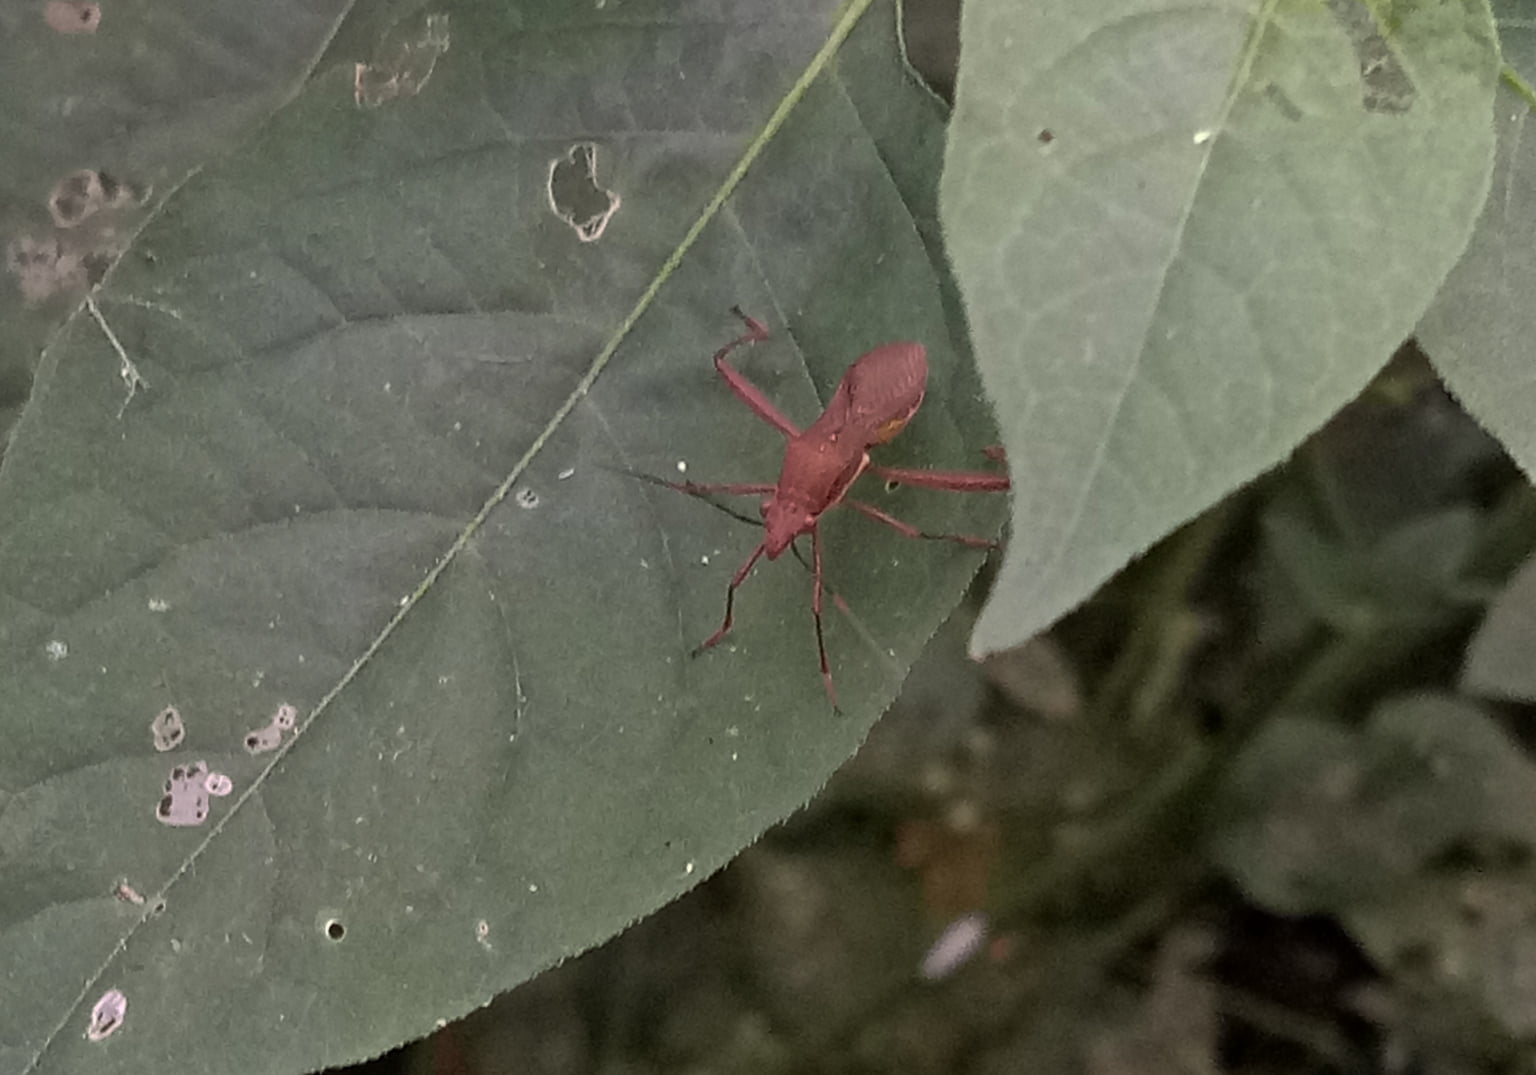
(877, 396)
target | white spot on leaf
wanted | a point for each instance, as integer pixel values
(185, 802)
(167, 729)
(107, 1015)
(72, 16)
(261, 740)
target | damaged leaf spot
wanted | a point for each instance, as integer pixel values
(335, 929)
(72, 16)
(574, 194)
(167, 729)
(218, 785)
(401, 65)
(90, 211)
(483, 932)
(185, 801)
(527, 498)
(56, 649)
(128, 894)
(1384, 84)
(43, 269)
(81, 195)
(107, 1015)
(261, 740)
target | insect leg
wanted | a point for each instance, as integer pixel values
(960, 481)
(730, 600)
(744, 389)
(816, 592)
(908, 530)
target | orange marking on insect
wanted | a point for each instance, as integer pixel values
(890, 429)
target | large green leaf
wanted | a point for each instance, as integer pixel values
(1479, 330)
(106, 112)
(367, 480)
(1186, 234)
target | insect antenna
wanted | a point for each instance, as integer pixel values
(724, 509)
(690, 489)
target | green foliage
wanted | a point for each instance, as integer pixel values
(329, 335)
(1186, 236)
(1314, 817)
(1478, 324)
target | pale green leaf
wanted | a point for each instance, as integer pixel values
(1186, 234)
(1478, 332)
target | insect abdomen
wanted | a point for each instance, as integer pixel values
(885, 387)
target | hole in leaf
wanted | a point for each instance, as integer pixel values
(575, 196)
